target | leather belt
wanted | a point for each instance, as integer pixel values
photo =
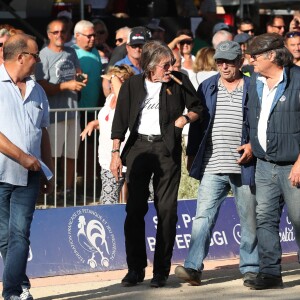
(149, 138)
(278, 163)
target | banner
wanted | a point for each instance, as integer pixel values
(91, 238)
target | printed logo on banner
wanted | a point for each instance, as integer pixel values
(237, 233)
(286, 233)
(91, 238)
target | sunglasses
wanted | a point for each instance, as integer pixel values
(89, 36)
(56, 32)
(1, 45)
(220, 62)
(292, 34)
(120, 40)
(34, 55)
(188, 42)
(137, 46)
(167, 65)
(255, 56)
(248, 31)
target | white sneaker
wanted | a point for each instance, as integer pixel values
(26, 295)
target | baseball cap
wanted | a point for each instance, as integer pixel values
(265, 42)
(138, 36)
(229, 50)
(242, 38)
(220, 26)
(154, 25)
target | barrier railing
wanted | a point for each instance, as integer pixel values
(86, 191)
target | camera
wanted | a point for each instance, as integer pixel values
(79, 77)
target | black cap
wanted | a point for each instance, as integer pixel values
(264, 43)
(138, 36)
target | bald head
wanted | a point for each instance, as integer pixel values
(16, 44)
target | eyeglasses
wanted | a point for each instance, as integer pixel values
(136, 46)
(278, 27)
(56, 32)
(89, 36)
(255, 56)
(248, 31)
(119, 40)
(188, 42)
(100, 32)
(34, 55)
(167, 65)
(292, 34)
(220, 62)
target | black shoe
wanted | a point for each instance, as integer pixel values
(158, 280)
(193, 277)
(248, 278)
(265, 281)
(133, 277)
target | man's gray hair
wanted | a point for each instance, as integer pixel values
(153, 52)
(126, 29)
(81, 25)
(221, 36)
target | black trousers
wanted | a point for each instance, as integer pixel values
(144, 159)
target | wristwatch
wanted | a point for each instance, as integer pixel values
(188, 120)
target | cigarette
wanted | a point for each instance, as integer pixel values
(176, 79)
(169, 92)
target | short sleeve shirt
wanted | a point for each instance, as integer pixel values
(21, 122)
(58, 67)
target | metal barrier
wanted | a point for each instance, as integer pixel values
(84, 193)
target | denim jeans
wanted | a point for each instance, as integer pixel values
(273, 186)
(17, 205)
(212, 191)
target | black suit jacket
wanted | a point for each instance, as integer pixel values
(171, 106)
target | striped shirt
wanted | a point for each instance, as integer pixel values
(225, 133)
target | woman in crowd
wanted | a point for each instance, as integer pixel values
(204, 66)
(110, 188)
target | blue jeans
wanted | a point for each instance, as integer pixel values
(17, 205)
(212, 191)
(273, 186)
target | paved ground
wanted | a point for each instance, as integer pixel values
(221, 280)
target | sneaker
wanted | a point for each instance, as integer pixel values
(248, 278)
(14, 297)
(193, 277)
(158, 280)
(26, 294)
(133, 277)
